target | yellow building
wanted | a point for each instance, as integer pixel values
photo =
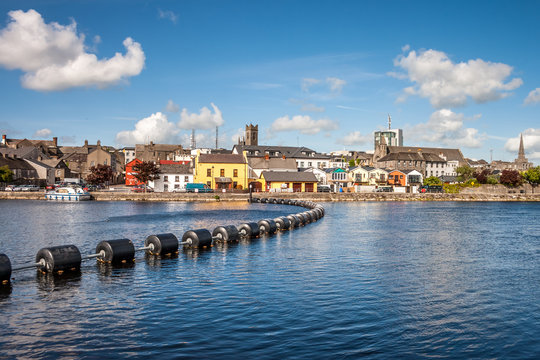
(221, 171)
(288, 181)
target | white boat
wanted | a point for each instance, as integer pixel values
(68, 194)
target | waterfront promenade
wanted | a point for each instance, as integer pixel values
(317, 197)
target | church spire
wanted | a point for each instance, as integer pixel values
(521, 153)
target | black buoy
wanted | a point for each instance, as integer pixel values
(162, 244)
(59, 259)
(293, 219)
(309, 218)
(282, 223)
(249, 230)
(314, 215)
(267, 226)
(5, 269)
(264, 200)
(197, 238)
(226, 233)
(116, 251)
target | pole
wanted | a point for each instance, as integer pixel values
(250, 193)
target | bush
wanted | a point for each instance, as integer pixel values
(511, 178)
(482, 176)
(492, 180)
(432, 180)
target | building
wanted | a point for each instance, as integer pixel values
(130, 178)
(320, 174)
(519, 164)
(304, 157)
(156, 152)
(286, 181)
(368, 175)
(391, 137)
(23, 172)
(405, 178)
(222, 171)
(129, 154)
(251, 137)
(172, 178)
(337, 178)
(61, 170)
(266, 163)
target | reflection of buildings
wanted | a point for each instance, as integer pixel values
(520, 164)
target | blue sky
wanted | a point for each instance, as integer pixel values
(322, 74)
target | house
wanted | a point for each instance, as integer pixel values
(156, 152)
(61, 170)
(319, 174)
(287, 181)
(131, 180)
(44, 171)
(266, 163)
(222, 171)
(304, 157)
(172, 177)
(405, 178)
(337, 178)
(22, 171)
(368, 175)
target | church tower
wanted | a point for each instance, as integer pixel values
(522, 163)
(252, 135)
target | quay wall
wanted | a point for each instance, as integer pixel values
(316, 197)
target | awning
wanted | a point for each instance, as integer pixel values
(223, 180)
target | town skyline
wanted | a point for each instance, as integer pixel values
(455, 76)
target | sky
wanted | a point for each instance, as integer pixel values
(320, 74)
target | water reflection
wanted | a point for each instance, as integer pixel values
(54, 282)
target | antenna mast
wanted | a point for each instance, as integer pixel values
(216, 137)
(193, 144)
(389, 122)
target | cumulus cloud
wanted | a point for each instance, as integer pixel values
(303, 123)
(156, 128)
(54, 56)
(448, 84)
(205, 119)
(167, 14)
(531, 143)
(445, 127)
(356, 138)
(336, 85)
(533, 97)
(42, 133)
(172, 107)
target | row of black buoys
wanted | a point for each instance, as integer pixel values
(58, 259)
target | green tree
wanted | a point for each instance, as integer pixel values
(146, 171)
(432, 180)
(511, 178)
(492, 180)
(6, 175)
(532, 176)
(352, 163)
(99, 174)
(464, 173)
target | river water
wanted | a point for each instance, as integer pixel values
(377, 280)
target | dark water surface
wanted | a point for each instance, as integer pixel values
(377, 280)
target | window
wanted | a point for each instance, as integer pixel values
(209, 184)
(235, 173)
(301, 164)
(92, 163)
(222, 172)
(309, 164)
(186, 178)
(209, 172)
(105, 162)
(165, 187)
(176, 178)
(177, 186)
(165, 178)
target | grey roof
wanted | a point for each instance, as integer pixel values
(37, 163)
(287, 151)
(450, 154)
(222, 158)
(289, 176)
(272, 163)
(175, 169)
(15, 163)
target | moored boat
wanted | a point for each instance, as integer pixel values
(68, 194)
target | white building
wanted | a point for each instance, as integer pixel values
(172, 178)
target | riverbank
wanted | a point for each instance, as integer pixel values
(317, 197)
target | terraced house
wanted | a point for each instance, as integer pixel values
(222, 171)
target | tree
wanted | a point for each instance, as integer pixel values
(464, 173)
(352, 163)
(146, 171)
(432, 180)
(511, 178)
(532, 176)
(6, 175)
(482, 176)
(99, 174)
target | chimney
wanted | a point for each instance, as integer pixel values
(266, 157)
(86, 143)
(4, 139)
(98, 143)
(55, 141)
(151, 143)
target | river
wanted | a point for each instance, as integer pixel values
(371, 279)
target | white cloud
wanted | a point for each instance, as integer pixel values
(42, 133)
(533, 97)
(356, 138)
(448, 84)
(312, 108)
(308, 83)
(204, 120)
(303, 123)
(445, 127)
(531, 143)
(54, 57)
(336, 85)
(237, 134)
(156, 128)
(169, 15)
(172, 107)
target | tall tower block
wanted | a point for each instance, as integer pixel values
(252, 135)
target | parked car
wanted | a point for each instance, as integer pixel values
(10, 188)
(50, 187)
(384, 189)
(323, 188)
(179, 190)
(431, 189)
(30, 188)
(141, 188)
